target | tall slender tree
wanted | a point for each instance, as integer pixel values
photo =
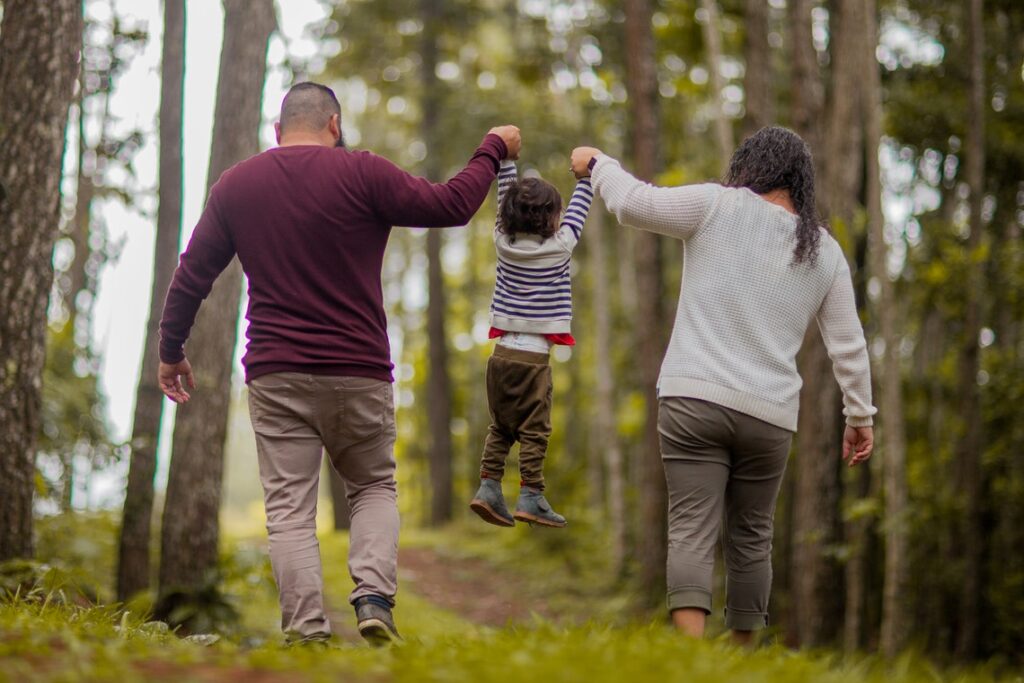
(893, 431)
(191, 526)
(757, 76)
(713, 49)
(604, 424)
(969, 447)
(39, 44)
(837, 147)
(339, 500)
(133, 567)
(439, 410)
(642, 86)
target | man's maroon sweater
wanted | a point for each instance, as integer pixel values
(309, 225)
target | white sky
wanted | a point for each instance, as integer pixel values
(123, 300)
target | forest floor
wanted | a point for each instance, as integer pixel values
(474, 605)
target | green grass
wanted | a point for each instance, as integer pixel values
(52, 642)
(50, 635)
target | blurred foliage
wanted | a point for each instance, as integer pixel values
(74, 431)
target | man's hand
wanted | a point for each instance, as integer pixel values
(513, 140)
(581, 157)
(170, 376)
(857, 444)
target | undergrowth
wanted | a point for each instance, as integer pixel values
(51, 630)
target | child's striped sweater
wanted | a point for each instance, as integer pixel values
(532, 291)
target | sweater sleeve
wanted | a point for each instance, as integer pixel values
(402, 199)
(209, 252)
(673, 211)
(576, 212)
(844, 339)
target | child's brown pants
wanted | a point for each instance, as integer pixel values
(519, 400)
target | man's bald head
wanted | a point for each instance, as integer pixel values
(308, 107)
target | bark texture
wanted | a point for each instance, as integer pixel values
(713, 49)
(133, 568)
(439, 394)
(893, 431)
(817, 521)
(191, 526)
(642, 86)
(969, 448)
(339, 501)
(757, 80)
(605, 423)
(39, 43)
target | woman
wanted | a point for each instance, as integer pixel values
(757, 269)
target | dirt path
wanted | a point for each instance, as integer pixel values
(471, 588)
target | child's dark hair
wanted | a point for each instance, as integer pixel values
(531, 207)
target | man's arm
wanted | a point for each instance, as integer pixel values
(209, 252)
(402, 199)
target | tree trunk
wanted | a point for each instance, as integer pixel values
(805, 77)
(856, 578)
(969, 446)
(191, 526)
(39, 44)
(85, 190)
(757, 80)
(642, 86)
(439, 395)
(817, 520)
(339, 500)
(893, 432)
(133, 570)
(713, 46)
(806, 105)
(604, 425)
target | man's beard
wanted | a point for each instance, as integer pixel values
(340, 142)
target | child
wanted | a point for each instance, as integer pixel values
(531, 310)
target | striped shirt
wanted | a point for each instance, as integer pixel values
(532, 290)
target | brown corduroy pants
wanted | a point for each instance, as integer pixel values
(519, 399)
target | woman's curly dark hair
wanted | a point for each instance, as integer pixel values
(776, 158)
(531, 206)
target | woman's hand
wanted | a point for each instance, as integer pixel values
(170, 376)
(581, 157)
(857, 444)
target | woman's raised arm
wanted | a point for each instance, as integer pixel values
(673, 211)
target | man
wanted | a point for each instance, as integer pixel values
(309, 221)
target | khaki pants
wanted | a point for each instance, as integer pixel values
(519, 398)
(296, 417)
(721, 464)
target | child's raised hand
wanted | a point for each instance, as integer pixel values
(513, 140)
(581, 157)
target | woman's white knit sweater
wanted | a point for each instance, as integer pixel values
(745, 304)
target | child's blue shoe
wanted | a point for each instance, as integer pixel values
(534, 508)
(489, 503)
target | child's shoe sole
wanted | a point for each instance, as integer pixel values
(487, 513)
(533, 519)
